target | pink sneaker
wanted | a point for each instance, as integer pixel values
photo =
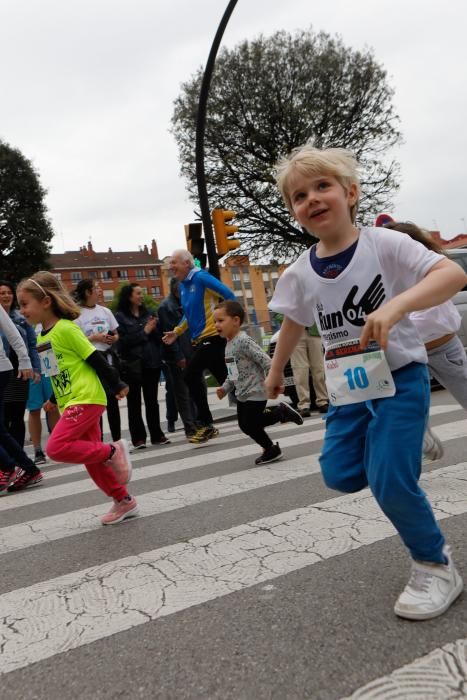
(120, 510)
(7, 478)
(121, 462)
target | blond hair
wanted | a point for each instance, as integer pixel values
(44, 284)
(309, 160)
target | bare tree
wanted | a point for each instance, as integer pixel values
(269, 96)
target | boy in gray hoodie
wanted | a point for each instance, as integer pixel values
(247, 365)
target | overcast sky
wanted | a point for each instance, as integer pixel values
(87, 91)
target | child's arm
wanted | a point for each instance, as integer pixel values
(441, 282)
(256, 354)
(107, 374)
(289, 336)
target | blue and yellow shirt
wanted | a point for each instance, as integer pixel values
(200, 292)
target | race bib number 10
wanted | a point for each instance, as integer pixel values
(354, 375)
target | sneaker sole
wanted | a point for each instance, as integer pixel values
(268, 461)
(129, 514)
(295, 416)
(408, 615)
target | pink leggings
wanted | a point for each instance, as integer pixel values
(76, 439)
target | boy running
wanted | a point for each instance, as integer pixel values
(359, 285)
(247, 365)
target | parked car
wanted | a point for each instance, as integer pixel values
(459, 255)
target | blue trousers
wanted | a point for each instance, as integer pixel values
(379, 444)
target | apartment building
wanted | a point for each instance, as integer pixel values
(111, 269)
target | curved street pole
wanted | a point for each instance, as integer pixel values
(200, 131)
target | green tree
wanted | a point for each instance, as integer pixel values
(25, 230)
(270, 95)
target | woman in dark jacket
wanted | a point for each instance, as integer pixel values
(16, 391)
(140, 349)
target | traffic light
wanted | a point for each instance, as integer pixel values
(195, 243)
(223, 230)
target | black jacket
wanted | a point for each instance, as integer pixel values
(170, 312)
(134, 343)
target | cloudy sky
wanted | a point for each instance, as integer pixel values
(87, 88)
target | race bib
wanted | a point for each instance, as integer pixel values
(101, 326)
(232, 369)
(354, 375)
(49, 364)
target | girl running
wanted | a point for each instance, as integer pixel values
(76, 369)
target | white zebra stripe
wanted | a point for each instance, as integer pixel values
(196, 460)
(440, 674)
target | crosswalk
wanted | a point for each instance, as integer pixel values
(132, 575)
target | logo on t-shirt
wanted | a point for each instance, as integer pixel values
(354, 310)
(62, 383)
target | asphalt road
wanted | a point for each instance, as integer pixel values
(236, 582)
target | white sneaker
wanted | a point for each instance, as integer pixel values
(431, 589)
(432, 446)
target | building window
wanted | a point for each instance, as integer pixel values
(275, 275)
(122, 274)
(140, 274)
(58, 275)
(248, 293)
(153, 273)
(236, 276)
(265, 276)
(108, 294)
(76, 276)
(237, 284)
(156, 291)
(106, 275)
(92, 274)
(238, 293)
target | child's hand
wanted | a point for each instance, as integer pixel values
(220, 392)
(48, 406)
(25, 374)
(379, 323)
(273, 384)
(122, 393)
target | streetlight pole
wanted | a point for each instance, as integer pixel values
(200, 131)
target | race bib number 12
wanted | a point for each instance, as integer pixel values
(354, 375)
(49, 364)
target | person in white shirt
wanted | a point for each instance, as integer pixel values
(359, 285)
(100, 326)
(438, 328)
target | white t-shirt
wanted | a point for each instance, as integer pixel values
(98, 319)
(433, 323)
(385, 263)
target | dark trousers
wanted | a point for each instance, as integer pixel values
(253, 417)
(148, 384)
(178, 397)
(11, 454)
(14, 420)
(208, 354)
(113, 416)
